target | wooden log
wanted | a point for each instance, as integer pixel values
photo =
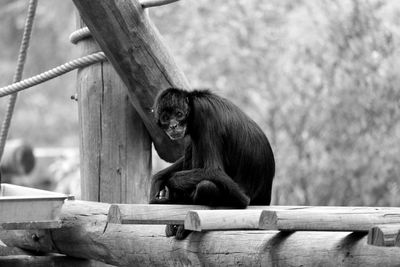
(48, 260)
(134, 47)
(86, 234)
(383, 235)
(176, 214)
(9, 251)
(291, 220)
(223, 219)
(30, 225)
(115, 148)
(18, 158)
(150, 214)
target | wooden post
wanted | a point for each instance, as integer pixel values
(115, 148)
(135, 49)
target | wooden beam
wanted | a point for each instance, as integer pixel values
(48, 260)
(291, 220)
(150, 214)
(135, 49)
(115, 148)
(30, 225)
(222, 219)
(383, 235)
(86, 234)
(167, 214)
(176, 214)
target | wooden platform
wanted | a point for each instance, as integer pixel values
(382, 223)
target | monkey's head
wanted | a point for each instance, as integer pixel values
(171, 111)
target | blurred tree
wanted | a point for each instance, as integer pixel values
(44, 115)
(318, 76)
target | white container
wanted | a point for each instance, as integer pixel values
(29, 208)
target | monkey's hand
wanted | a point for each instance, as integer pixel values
(162, 197)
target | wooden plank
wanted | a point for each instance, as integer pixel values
(115, 146)
(223, 219)
(290, 220)
(383, 235)
(135, 49)
(150, 214)
(86, 234)
(176, 214)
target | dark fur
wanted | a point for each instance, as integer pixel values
(228, 161)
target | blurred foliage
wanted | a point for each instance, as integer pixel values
(318, 76)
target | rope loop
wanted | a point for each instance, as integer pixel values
(55, 72)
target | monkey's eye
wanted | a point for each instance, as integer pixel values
(179, 115)
(164, 118)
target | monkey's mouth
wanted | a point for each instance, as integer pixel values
(175, 134)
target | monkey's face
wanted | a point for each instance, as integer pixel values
(173, 122)
(171, 111)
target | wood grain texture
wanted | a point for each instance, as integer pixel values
(198, 220)
(135, 49)
(115, 146)
(86, 234)
(30, 225)
(150, 214)
(47, 260)
(176, 214)
(294, 220)
(384, 235)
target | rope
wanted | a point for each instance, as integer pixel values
(18, 72)
(80, 34)
(55, 72)
(19, 85)
(153, 3)
(84, 32)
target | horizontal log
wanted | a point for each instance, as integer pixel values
(383, 235)
(165, 214)
(150, 214)
(200, 220)
(292, 220)
(30, 225)
(10, 251)
(85, 233)
(176, 214)
(51, 260)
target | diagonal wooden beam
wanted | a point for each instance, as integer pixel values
(135, 49)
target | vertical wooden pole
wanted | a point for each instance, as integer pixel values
(115, 149)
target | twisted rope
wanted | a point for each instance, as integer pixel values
(153, 3)
(18, 72)
(84, 32)
(80, 34)
(50, 74)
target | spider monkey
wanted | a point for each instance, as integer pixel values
(228, 160)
